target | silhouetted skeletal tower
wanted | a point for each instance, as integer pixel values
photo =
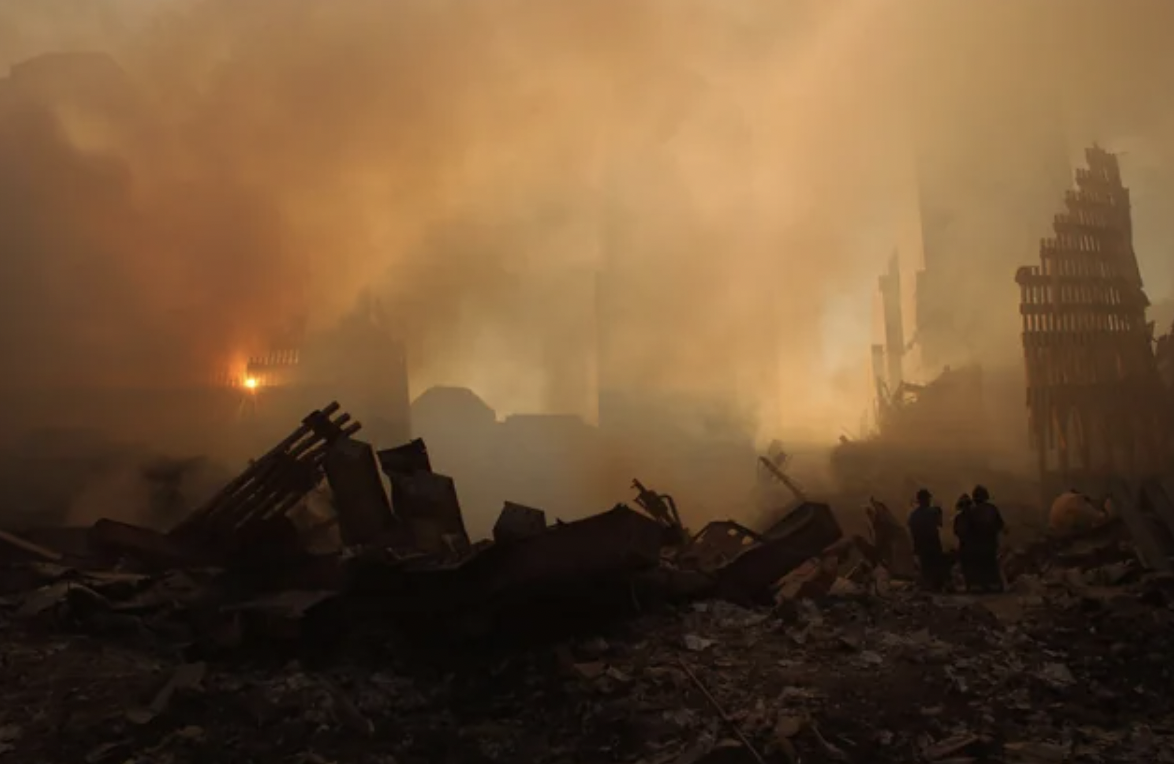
(1093, 388)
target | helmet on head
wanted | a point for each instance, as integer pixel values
(980, 493)
(964, 501)
(924, 496)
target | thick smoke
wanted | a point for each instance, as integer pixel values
(210, 169)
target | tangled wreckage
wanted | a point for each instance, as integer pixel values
(410, 552)
(152, 636)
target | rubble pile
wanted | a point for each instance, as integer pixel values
(405, 560)
(263, 629)
(1060, 669)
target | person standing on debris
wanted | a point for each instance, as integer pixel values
(925, 523)
(983, 527)
(962, 509)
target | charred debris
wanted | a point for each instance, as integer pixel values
(618, 637)
(267, 550)
(265, 543)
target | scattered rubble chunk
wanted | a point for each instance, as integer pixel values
(804, 533)
(518, 522)
(360, 500)
(427, 504)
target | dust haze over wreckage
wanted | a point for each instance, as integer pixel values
(611, 249)
(248, 628)
(231, 164)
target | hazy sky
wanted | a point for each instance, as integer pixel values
(248, 160)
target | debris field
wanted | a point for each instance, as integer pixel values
(259, 629)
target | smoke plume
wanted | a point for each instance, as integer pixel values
(181, 179)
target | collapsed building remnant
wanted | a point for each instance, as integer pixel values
(1096, 404)
(948, 409)
(936, 429)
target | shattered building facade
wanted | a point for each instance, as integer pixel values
(941, 418)
(947, 303)
(1095, 398)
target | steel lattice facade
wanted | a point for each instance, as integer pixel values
(1094, 394)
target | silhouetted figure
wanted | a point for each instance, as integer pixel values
(962, 507)
(925, 524)
(979, 533)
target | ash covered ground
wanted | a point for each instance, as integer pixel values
(1071, 664)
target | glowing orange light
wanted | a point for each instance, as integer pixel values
(251, 383)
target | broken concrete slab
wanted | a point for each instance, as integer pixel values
(360, 500)
(406, 459)
(804, 533)
(517, 521)
(427, 504)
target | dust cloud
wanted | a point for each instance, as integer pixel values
(720, 181)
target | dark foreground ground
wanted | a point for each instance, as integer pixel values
(1055, 671)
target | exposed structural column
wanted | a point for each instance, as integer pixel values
(1093, 388)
